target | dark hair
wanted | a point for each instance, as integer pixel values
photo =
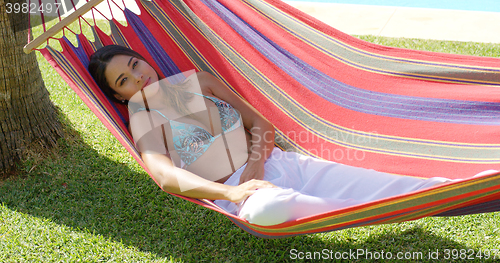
(176, 96)
(99, 61)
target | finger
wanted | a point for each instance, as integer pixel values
(271, 185)
(264, 184)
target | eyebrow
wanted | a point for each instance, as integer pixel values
(128, 65)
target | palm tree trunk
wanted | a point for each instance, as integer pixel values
(27, 115)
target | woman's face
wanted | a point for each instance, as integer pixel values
(128, 75)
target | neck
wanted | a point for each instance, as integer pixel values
(155, 102)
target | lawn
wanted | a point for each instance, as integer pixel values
(89, 201)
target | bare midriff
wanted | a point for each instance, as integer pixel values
(248, 141)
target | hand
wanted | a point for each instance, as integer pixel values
(239, 193)
(253, 170)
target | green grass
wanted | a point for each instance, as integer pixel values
(89, 201)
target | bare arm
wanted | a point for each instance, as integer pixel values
(171, 178)
(179, 181)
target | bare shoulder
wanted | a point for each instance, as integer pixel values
(141, 124)
(212, 86)
(137, 121)
(139, 118)
(204, 75)
(206, 81)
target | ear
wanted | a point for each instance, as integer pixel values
(118, 96)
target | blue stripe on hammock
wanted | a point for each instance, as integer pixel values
(484, 207)
(82, 57)
(80, 53)
(166, 64)
(349, 97)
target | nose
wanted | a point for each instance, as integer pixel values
(138, 76)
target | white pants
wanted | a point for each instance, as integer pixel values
(310, 186)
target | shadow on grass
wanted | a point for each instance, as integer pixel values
(82, 189)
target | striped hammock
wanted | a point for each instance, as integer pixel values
(328, 94)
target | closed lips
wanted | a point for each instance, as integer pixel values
(146, 84)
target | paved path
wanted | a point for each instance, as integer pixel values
(390, 21)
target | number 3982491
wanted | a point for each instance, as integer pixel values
(32, 8)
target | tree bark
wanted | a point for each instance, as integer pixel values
(27, 115)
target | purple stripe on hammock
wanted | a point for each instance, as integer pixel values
(338, 127)
(440, 110)
(166, 64)
(392, 152)
(82, 56)
(485, 207)
(208, 66)
(404, 60)
(365, 148)
(80, 53)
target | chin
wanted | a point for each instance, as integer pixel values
(152, 90)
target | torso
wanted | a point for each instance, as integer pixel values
(214, 164)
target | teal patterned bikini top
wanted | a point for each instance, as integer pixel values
(191, 141)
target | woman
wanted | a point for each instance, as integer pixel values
(261, 183)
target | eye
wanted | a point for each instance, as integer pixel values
(123, 81)
(135, 64)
